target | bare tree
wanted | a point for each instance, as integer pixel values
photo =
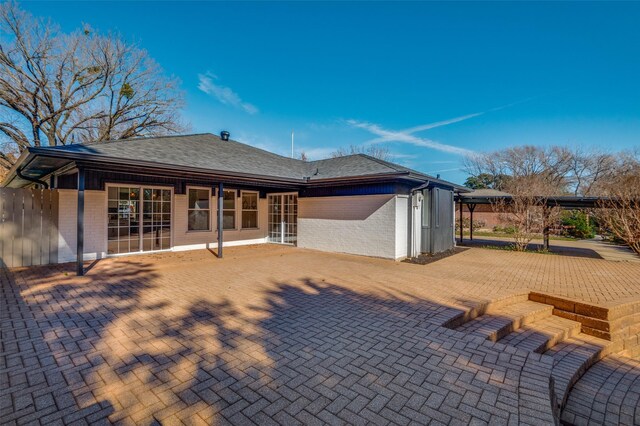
(531, 175)
(620, 211)
(377, 151)
(589, 167)
(527, 212)
(58, 89)
(550, 165)
(303, 156)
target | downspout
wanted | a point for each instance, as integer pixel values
(30, 179)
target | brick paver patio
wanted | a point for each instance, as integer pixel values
(274, 334)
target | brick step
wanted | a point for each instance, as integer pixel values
(607, 322)
(573, 357)
(497, 323)
(632, 346)
(607, 394)
(543, 334)
(468, 313)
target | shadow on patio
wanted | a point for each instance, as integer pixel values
(124, 344)
(562, 250)
(51, 325)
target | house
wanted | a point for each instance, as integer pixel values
(165, 193)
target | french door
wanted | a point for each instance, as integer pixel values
(283, 218)
(139, 219)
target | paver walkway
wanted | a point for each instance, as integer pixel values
(273, 334)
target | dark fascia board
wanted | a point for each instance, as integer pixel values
(96, 159)
(225, 178)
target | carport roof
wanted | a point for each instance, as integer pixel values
(209, 153)
(489, 196)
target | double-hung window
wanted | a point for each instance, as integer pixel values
(249, 210)
(229, 209)
(199, 209)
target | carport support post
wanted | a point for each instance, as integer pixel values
(471, 208)
(220, 217)
(80, 228)
(545, 229)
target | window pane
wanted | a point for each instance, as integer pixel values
(199, 199)
(199, 220)
(426, 208)
(229, 220)
(113, 193)
(229, 202)
(166, 243)
(249, 201)
(124, 193)
(249, 219)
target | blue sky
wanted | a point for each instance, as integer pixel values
(359, 73)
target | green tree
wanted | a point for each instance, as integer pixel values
(486, 181)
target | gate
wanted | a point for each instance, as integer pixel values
(28, 227)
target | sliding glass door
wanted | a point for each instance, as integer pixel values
(139, 219)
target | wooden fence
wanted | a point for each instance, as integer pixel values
(28, 227)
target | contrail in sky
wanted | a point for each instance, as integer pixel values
(407, 135)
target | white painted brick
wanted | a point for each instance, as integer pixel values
(364, 225)
(95, 225)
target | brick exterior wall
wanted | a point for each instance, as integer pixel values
(484, 213)
(185, 239)
(364, 225)
(95, 225)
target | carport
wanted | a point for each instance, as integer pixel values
(491, 197)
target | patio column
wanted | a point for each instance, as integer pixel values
(220, 218)
(461, 223)
(471, 208)
(80, 225)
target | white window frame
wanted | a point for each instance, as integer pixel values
(257, 210)
(235, 209)
(210, 209)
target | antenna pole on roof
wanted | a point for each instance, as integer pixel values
(291, 143)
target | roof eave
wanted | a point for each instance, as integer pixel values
(11, 175)
(83, 157)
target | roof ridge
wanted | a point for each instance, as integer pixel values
(110, 141)
(381, 161)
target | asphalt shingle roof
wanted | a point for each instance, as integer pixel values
(209, 152)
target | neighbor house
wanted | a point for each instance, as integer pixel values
(166, 193)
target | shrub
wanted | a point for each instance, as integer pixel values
(577, 224)
(477, 224)
(505, 229)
